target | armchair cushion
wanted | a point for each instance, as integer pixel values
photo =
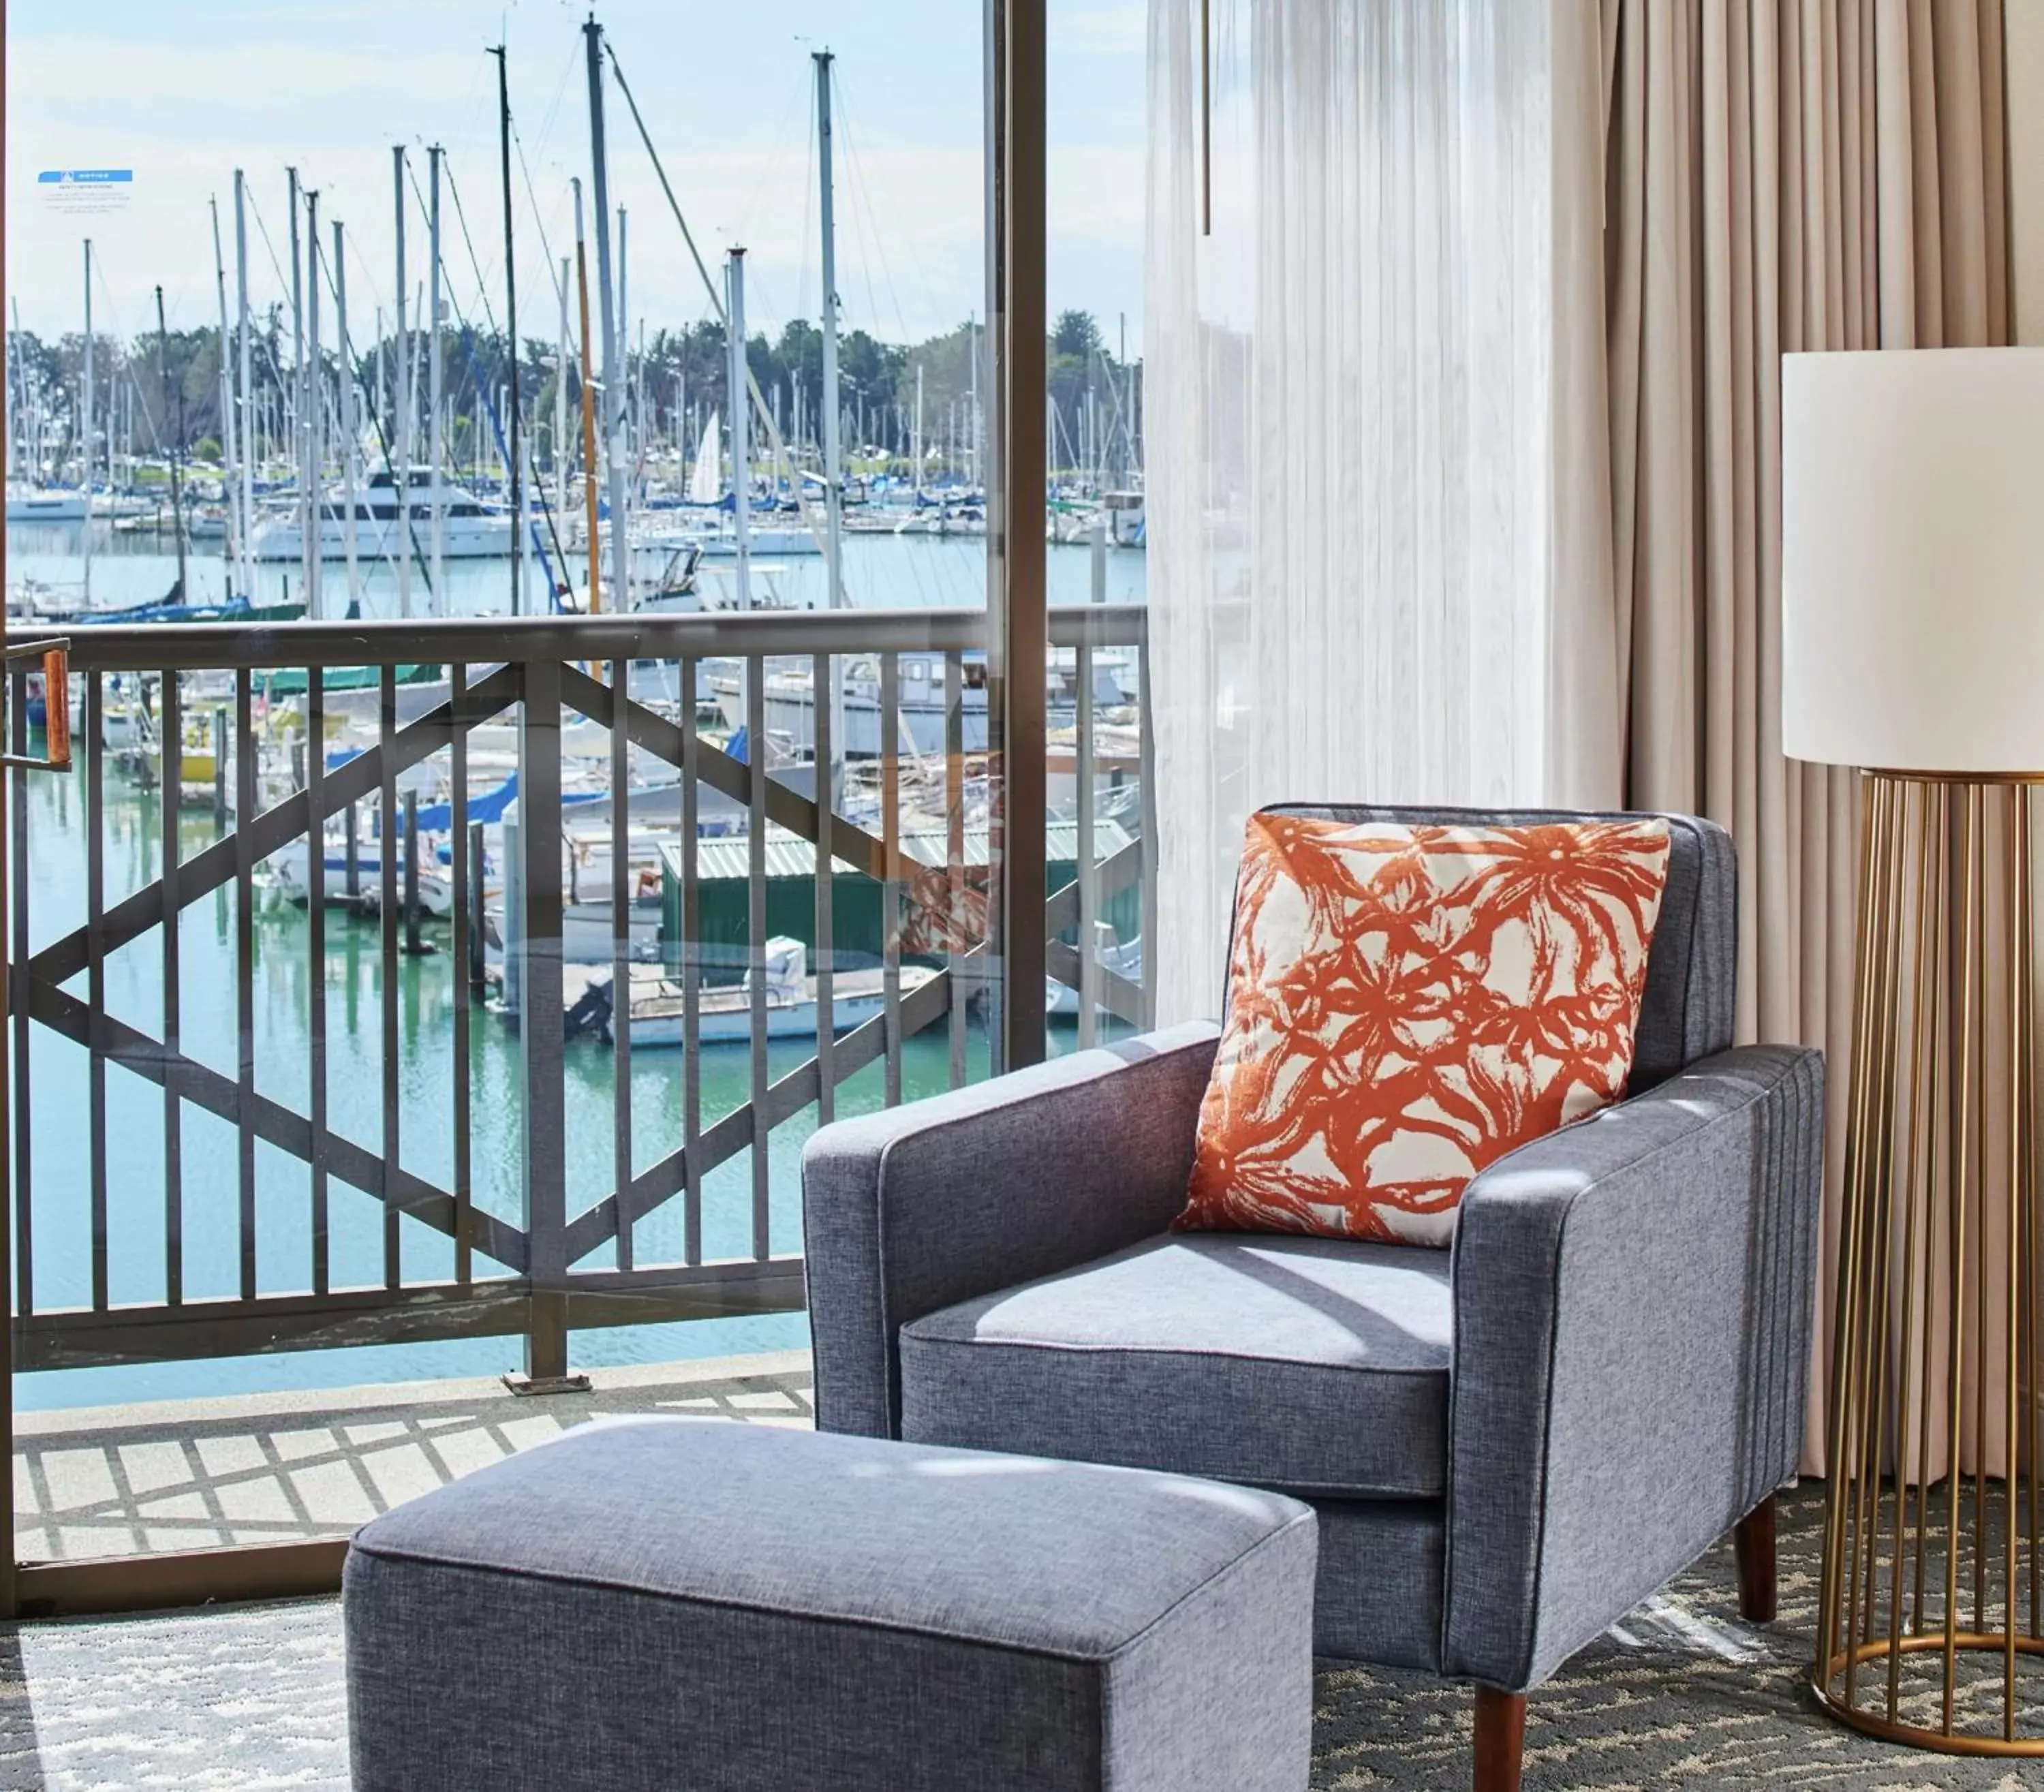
(1408, 1002)
(1316, 1366)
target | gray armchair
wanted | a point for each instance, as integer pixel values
(1509, 1445)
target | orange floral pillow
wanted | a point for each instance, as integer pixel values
(1407, 1004)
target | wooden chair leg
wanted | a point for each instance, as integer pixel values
(1753, 1541)
(1500, 1740)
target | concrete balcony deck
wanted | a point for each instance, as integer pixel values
(270, 1468)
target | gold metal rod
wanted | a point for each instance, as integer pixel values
(1832, 1579)
(1878, 1363)
(2025, 1194)
(2015, 844)
(2032, 1199)
(1839, 1577)
(1981, 1150)
(1961, 1158)
(1869, 1396)
(1866, 1198)
(1912, 1200)
(1959, 1742)
(1938, 1131)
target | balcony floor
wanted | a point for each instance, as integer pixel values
(1682, 1694)
(270, 1468)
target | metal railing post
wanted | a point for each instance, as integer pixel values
(544, 1206)
(478, 957)
(219, 768)
(414, 946)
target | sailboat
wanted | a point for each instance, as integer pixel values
(708, 536)
(705, 486)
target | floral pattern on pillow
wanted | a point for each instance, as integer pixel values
(1407, 1004)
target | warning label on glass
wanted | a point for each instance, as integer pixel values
(87, 189)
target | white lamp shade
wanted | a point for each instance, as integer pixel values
(1912, 559)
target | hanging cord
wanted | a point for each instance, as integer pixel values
(1206, 118)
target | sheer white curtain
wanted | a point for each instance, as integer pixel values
(1349, 442)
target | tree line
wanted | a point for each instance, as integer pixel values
(153, 392)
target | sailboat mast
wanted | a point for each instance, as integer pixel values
(627, 430)
(613, 386)
(833, 446)
(402, 349)
(741, 432)
(86, 408)
(561, 409)
(351, 462)
(175, 431)
(588, 413)
(433, 443)
(517, 469)
(300, 477)
(316, 423)
(230, 485)
(248, 457)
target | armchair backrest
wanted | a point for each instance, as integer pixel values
(1692, 966)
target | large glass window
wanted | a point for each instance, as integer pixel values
(506, 968)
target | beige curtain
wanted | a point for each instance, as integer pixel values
(1775, 175)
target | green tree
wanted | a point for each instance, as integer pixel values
(1076, 333)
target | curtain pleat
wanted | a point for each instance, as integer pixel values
(1777, 175)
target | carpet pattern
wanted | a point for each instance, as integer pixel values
(1681, 1694)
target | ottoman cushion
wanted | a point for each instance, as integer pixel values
(677, 1603)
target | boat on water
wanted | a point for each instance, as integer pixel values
(47, 503)
(673, 588)
(790, 702)
(704, 519)
(469, 529)
(725, 1014)
(363, 886)
(945, 514)
(717, 540)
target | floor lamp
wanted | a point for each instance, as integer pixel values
(1913, 649)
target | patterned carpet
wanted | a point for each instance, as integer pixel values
(1681, 1694)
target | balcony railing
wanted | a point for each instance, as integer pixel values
(557, 1240)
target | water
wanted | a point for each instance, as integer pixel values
(880, 572)
(896, 571)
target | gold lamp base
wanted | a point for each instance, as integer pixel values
(1930, 1628)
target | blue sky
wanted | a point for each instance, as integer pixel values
(183, 94)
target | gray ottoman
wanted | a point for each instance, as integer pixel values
(685, 1604)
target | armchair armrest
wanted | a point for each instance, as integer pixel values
(1633, 1305)
(912, 1209)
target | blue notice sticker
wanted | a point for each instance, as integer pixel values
(87, 189)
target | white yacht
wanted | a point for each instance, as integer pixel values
(46, 504)
(469, 529)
